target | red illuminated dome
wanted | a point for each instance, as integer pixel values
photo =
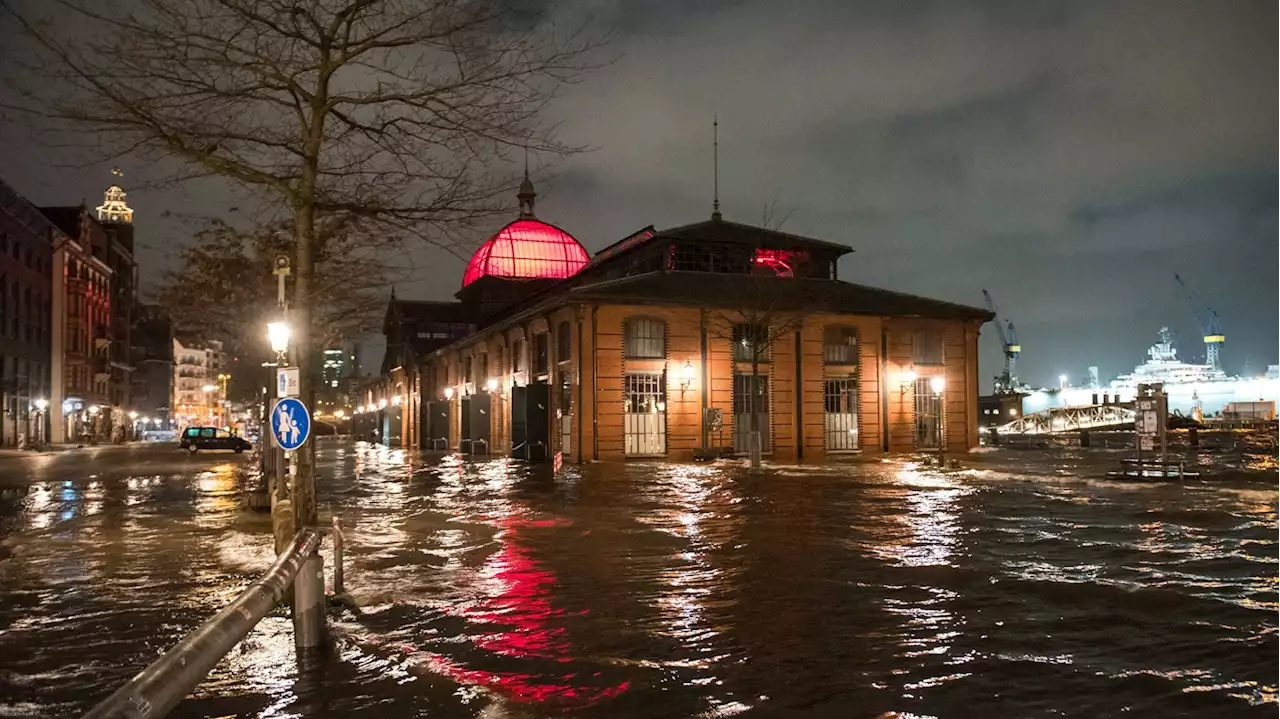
(527, 248)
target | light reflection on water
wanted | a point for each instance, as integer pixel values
(1015, 588)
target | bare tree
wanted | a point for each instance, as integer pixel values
(395, 111)
(223, 289)
(756, 314)
(756, 319)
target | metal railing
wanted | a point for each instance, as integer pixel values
(161, 686)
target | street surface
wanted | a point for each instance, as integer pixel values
(1023, 585)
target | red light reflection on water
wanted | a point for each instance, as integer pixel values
(518, 605)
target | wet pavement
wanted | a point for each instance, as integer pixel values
(1021, 585)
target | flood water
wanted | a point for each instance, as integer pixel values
(1020, 585)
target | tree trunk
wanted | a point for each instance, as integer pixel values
(304, 490)
(304, 495)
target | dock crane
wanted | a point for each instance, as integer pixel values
(1007, 382)
(1210, 325)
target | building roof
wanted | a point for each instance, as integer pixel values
(774, 293)
(66, 219)
(527, 248)
(445, 311)
(737, 233)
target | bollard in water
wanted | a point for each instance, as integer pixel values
(1193, 436)
(1084, 438)
(308, 605)
(337, 555)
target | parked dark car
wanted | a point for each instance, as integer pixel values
(195, 439)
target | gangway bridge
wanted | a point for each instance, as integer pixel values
(1070, 419)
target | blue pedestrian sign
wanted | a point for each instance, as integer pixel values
(290, 423)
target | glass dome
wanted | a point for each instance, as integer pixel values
(527, 249)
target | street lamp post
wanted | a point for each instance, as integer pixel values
(208, 399)
(41, 405)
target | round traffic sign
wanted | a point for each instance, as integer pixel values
(290, 423)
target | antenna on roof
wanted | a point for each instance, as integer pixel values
(715, 167)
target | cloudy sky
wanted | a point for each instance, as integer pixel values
(1068, 156)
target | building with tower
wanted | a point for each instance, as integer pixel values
(116, 218)
(93, 293)
(711, 338)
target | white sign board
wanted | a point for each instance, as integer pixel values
(287, 381)
(1146, 443)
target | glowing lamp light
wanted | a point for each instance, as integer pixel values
(492, 384)
(360, 409)
(382, 403)
(278, 335)
(448, 393)
(909, 376)
(209, 388)
(686, 375)
(395, 400)
(133, 416)
(41, 404)
(937, 384)
(94, 409)
(339, 414)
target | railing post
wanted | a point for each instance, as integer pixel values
(337, 555)
(308, 605)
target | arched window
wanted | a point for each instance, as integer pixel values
(645, 338)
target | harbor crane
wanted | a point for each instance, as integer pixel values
(1007, 382)
(1210, 325)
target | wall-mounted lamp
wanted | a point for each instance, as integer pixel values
(686, 376)
(396, 400)
(491, 384)
(907, 379)
(937, 384)
(382, 403)
(448, 393)
(360, 409)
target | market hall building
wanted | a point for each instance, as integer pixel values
(672, 344)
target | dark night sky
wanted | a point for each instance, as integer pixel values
(1070, 157)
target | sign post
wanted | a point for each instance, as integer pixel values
(1149, 420)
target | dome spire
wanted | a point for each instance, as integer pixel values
(526, 195)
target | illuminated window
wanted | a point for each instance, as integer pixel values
(776, 262)
(750, 342)
(840, 345)
(646, 338)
